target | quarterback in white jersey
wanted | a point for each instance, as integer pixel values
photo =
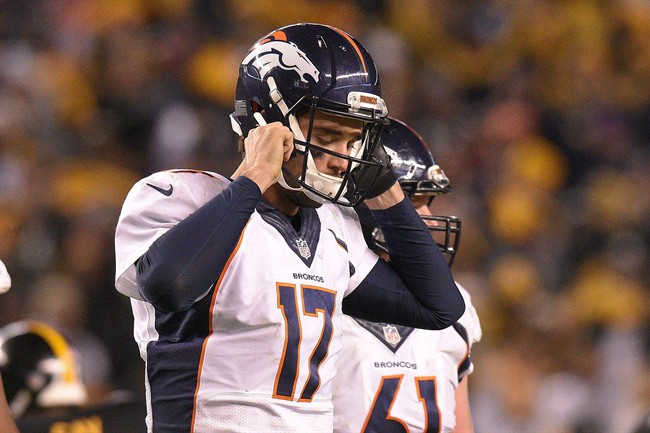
(393, 378)
(271, 316)
(238, 285)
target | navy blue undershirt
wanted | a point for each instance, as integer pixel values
(417, 281)
(182, 265)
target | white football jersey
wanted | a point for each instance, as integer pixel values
(399, 379)
(258, 352)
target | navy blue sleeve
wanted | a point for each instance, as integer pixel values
(417, 281)
(182, 265)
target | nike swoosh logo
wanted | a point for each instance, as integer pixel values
(166, 192)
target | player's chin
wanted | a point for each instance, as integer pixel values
(304, 201)
(297, 197)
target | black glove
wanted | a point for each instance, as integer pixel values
(369, 181)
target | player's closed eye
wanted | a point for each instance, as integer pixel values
(324, 139)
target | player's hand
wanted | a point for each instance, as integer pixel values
(375, 180)
(267, 147)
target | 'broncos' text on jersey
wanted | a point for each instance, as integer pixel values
(393, 376)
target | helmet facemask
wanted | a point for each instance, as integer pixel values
(445, 231)
(322, 187)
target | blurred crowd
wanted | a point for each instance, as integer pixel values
(537, 110)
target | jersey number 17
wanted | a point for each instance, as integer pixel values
(315, 300)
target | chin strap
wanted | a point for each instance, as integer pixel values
(234, 124)
(278, 100)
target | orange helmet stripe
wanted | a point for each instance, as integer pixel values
(277, 35)
(355, 46)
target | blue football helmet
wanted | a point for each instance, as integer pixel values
(420, 177)
(301, 69)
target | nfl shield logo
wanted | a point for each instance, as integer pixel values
(303, 248)
(391, 334)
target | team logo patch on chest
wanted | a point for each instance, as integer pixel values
(391, 335)
(303, 242)
(303, 248)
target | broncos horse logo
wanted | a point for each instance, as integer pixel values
(275, 51)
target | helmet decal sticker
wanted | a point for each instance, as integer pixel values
(275, 51)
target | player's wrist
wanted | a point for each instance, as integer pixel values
(263, 178)
(389, 198)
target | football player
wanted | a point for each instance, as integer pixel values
(237, 285)
(44, 390)
(396, 378)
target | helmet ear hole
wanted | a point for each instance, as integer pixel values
(251, 72)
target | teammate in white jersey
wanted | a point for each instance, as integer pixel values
(393, 378)
(238, 286)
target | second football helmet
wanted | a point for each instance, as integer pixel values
(306, 68)
(419, 176)
(38, 368)
(413, 164)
